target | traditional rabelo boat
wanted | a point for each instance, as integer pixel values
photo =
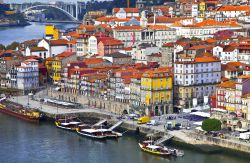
(98, 133)
(155, 149)
(148, 146)
(70, 123)
(20, 112)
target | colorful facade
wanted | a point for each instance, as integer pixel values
(156, 89)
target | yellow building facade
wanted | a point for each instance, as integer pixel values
(157, 88)
(202, 9)
(48, 64)
(56, 69)
(52, 31)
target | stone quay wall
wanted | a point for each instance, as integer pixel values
(224, 143)
(105, 105)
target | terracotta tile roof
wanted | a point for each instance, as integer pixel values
(32, 57)
(230, 64)
(72, 42)
(157, 27)
(73, 34)
(246, 96)
(234, 8)
(105, 19)
(37, 49)
(229, 48)
(206, 57)
(127, 10)
(169, 44)
(89, 61)
(211, 40)
(105, 26)
(64, 55)
(211, 22)
(227, 84)
(87, 27)
(128, 28)
(244, 77)
(111, 42)
(127, 48)
(58, 42)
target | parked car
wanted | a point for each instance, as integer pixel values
(143, 120)
(153, 123)
(133, 116)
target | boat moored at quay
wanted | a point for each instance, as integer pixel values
(20, 112)
(150, 147)
(70, 123)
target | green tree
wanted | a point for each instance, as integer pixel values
(2, 47)
(211, 125)
(12, 46)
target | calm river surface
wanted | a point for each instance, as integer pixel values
(25, 142)
(33, 31)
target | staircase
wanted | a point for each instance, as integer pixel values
(100, 122)
(163, 139)
(116, 125)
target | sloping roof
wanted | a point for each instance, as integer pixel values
(128, 28)
(36, 49)
(93, 61)
(87, 27)
(58, 42)
(127, 10)
(227, 84)
(65, 54)
(234, 8)
(206, 57)
(111, 42)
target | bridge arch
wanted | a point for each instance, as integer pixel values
(65, 12)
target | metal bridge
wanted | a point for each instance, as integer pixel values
(72, 10)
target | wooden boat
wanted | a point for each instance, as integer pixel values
(155, 149)
(20, 112)
(68, 123)
(98, 133)
(92, 133)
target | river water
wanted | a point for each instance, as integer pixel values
(33, 31)
(27, 143)
(24, 142)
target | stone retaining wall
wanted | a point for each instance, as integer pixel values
(106, 105)
(223, 143)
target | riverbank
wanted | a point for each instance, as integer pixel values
(183, 136)
(13, 24)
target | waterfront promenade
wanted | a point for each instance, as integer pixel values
(186, 136)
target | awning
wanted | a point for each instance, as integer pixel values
(198, 123)
(241, 130)
(201, 114)
(219, 110)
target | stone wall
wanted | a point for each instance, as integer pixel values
(224, 143)
(110, 106)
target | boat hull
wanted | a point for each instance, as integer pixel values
(20, 116)
(154, 152)
(64, 128)
(101, 137)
